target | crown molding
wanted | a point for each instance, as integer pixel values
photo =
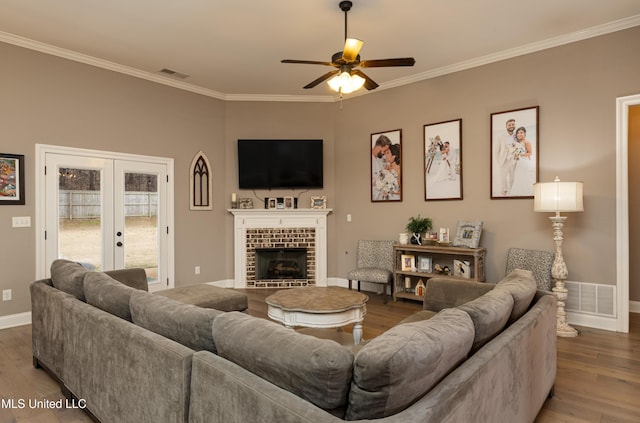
(595, 31)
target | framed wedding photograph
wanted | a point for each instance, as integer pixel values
(408, 262)
(386, 166)
(468, 234)
(514, 153)
(12, 179)
(425, 264)
(443, 160)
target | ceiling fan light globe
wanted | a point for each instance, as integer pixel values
(351, 49)
(345, 83)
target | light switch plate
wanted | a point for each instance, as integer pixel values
(21, 221)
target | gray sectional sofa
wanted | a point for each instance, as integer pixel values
(477, 352)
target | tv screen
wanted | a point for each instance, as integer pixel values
(274, 164)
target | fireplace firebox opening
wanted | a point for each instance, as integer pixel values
(281, 263)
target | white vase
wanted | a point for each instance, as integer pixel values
(403, 238)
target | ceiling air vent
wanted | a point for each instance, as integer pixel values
(173, 73)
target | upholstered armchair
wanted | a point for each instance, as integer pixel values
(537, 261)
(374, 264)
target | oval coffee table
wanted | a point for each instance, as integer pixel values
(319, 307)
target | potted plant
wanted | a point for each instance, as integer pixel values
(417, 226)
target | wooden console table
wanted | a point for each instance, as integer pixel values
(425, 259)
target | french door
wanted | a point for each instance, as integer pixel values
(108, 213)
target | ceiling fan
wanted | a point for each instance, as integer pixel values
(347, 77)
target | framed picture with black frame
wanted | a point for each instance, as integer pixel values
(514, 153)
(12, 179)
(443, 160)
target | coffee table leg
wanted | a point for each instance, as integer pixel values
(357, 333)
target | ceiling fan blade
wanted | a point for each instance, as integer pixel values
(307, 62)
(369, 83)
(382, 63)
(322, 78)
(351, 50)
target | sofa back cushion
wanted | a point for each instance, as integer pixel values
(135, 278)
(318, 370)
(107, 294)
(489, 313)
(522, 286)
(399, 366)
(68, 276)
(441, 293)
(184, 323)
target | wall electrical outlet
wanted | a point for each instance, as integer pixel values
(6, 295)
(197, 270)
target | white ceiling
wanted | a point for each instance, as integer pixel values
(232, 48)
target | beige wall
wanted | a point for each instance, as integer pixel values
(54, 101)
(634, 203)
(49, 100)
(575, 86)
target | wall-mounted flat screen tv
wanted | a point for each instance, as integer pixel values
(272, 164)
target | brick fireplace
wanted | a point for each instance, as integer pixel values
(277, 235)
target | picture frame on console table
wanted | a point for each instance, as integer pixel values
(468, 234)
(514, 153)
(12, 179)
(386, 166)
(408, 262)
(443, 160)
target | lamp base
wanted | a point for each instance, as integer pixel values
(566, 331)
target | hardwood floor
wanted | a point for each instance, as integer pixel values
(598, 372)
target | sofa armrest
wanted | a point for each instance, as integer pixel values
(441, 293)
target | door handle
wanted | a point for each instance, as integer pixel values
(119, 244)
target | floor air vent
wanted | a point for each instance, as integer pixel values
(591, 298)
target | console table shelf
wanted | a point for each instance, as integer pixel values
(418, 262)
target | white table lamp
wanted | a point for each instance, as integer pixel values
(559, 197)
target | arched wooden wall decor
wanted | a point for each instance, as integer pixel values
(200, 193)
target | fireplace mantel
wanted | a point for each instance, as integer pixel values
(245, 219)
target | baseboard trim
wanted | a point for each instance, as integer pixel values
(13, 320)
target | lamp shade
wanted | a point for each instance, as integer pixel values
(557, 196)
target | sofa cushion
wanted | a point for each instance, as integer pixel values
(318, 370)
(405, 362)
(208, 296)
(108, 294)
(489, 313)
(419, 316)
(184, 323)
(68, 277)
(522, 286)
(441, 293)
(135, 278)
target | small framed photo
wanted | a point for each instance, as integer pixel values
(319, 202)
(443, 160)
(288, 203)
(272, 203)
(514, 153)
(386, 166)
(408, 262)
(462, 269)
(12, 179)
(245, 203)
(425, 264)
(468, 234)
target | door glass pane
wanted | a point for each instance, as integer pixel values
(79, 216)
(141, 234)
